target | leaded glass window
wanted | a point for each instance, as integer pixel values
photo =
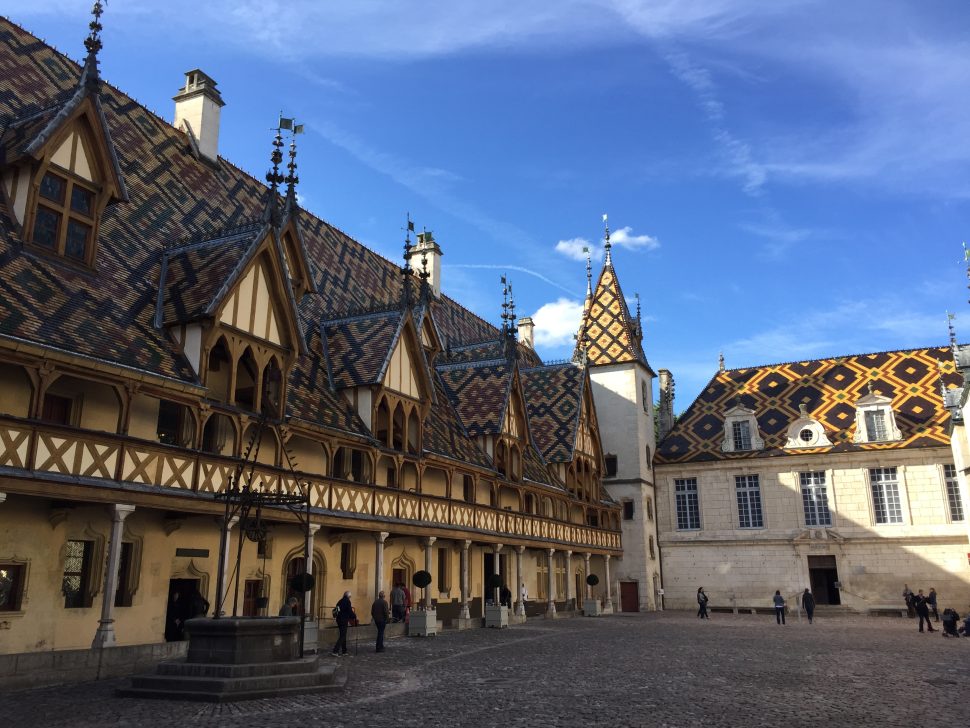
(815, 499)
(885, 495)
(748, 492)
(953, 499)
(741, 434)
(688, 510)
(77, 566)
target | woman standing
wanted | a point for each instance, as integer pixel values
(345, 613)
(702, 603)
(779, 607)
(808, 603)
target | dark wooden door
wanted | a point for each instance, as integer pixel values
(823, 575)
(252, 591)
(629, 596)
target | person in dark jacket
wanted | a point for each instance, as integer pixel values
(702, 603)
(345, 613)
(922, 611)
(808, 604)
(289, 607)
(380, 612)
(931, 603)
(505, 596)
(779, 607)
(950, 619)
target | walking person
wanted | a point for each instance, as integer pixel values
(702, 603)
(908, 598)
(779, 607)
(922, 611)
(808, 604)
(344, 612)
(380, 612)
(931, 602)
(397, 603)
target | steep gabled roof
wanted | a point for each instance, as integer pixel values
(610, 333)
(479, 392)
(829, 389)
(554, 396)
(358, 347)
(444, 434)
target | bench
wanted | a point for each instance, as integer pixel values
(887, 611)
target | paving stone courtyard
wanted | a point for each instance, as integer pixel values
(626, 670)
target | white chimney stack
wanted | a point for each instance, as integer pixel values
(428, 249)
(527, 332)
(197, 108)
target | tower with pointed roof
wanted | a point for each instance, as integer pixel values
(610, 340)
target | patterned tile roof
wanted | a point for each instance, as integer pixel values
(829, 388)
(358, 348)
(609, 331)
(480, 393)
(445, 435)
(553, 397)
(491, 349)
(534, 469)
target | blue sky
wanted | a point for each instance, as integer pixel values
(790, 179)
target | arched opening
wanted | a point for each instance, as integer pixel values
(508, 498)
(409, 477)
(576, 514)
(397, 428)
(387, 471)
(306, 455)
(293, 565)
(500, 459)
(529, 503)
(265, 447)
(82, 403)
(272, 389)
(467, 489)
(515, 463)
(17, 391)
(219, 435)
(571, 478)
(351, 464)
(219, 371)
(382, 422)
(414, 432)
(174, 424)
(434, 481)
(547, 507)
(247, 374)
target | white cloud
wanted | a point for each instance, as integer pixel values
(557, 322)
(574, 248)
(625, 238)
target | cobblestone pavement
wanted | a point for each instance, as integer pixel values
(626, 670)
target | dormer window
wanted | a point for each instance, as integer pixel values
(875, 419)
(65, 216)
(741, 431)
(806, 432)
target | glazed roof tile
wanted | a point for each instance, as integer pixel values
(553, 397)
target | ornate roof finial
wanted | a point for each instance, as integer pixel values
(953, 333)
(275, 178)
(607, 245)
(869, 387)
(639, 322)
(292, 179)
(90, 76)
(505, 306)
(406, 268)
(589, 273)
(720, 361)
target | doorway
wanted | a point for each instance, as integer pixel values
(580, 592)
(629, 596)
(252, 596)
(180, 593)
(488, 566)
(823, 576)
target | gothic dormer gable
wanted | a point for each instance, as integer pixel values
(875, 419)
(59, 173)
(806, 432)
(741, 430)
(297, 265)
(405, 371)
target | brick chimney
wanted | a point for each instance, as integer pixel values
(197, 108)
(527, 331)
(666, 408)
(428, 248)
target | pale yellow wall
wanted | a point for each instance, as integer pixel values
(144, 417)
(14, 391)
(308, 456)
(434, 482)
(97, 404)
(257, 317)
(400, 376)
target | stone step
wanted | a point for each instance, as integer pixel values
(201, 669)
(321, 680)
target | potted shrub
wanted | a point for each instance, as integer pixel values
(423, 622)
(591, 607)
(496, 614)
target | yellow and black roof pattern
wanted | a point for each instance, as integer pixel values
(553, 397)
(165, 255)
(609, 333)
(829, 389)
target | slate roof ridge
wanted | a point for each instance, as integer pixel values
(377, 313)
(215, 237)
(837, 356)
(558, 364)
(238, 269)
(481, 363)
(392, 344)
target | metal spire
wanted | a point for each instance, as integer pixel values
(589, 273)
(639, 322)
(292, 178)
(953, 333)
(275, 178)
(89, 75)
(607, 245)
(406, 268)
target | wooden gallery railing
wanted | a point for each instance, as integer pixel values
(32, 446)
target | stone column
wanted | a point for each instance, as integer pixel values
(428, 543)
(520, 606)
(105, 636)
(589, 589)
(497, 548)
(223, 584)
(465, 613)
(3, 497)
(608, 606)
(379, 561)
(570, 604)
(308, 566)
(551, 606)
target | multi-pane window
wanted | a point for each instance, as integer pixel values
(885, 495)
(64, 219)
(741, 434)
(876, 426)
(953, 492)
(688, 511)
(542, 582)
(628, 510)
(748, 491)
(77, 568)
(815, 499)
(11, 587)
